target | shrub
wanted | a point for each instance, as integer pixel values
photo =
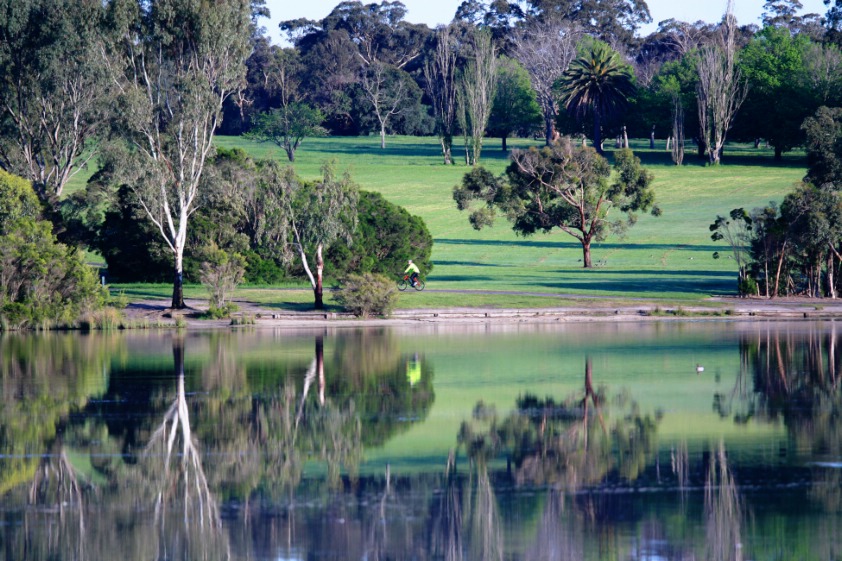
(367, 295)
(43, 283)
(221, 273)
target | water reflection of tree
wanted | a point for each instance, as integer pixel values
(44, 378)
(571, 443)
(567, 446)
(724, 511)
(796, 376)
(186, 513)
(370, 371)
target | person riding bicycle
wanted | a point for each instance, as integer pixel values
(413, 278)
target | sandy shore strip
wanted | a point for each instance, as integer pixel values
(256, 315)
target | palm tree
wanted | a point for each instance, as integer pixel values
(599, 83)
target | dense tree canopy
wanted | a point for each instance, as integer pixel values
(560, 186)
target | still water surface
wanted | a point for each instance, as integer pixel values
(653, 441)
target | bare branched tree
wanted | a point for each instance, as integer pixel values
(440, 85)
(385, 89)
(174, 70)
(546, 49)
(477, 83)
(722, 88)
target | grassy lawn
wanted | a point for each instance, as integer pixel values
(668, 257)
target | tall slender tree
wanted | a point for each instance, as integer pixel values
(477, 83)
(598, 83)
(175, 63)
(440, 86)
(722, 88)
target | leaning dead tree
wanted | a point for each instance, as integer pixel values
(546, 49)
(722, 88)
(56, 487)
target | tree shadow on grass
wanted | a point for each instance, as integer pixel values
(733, 157)
(575, 245)
(467, 264)
(707, 286)
(649, 272)
(464, 278)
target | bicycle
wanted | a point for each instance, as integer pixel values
(405, 283)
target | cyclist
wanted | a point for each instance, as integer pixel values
(413, 278)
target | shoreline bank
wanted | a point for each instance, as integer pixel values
(256, 315)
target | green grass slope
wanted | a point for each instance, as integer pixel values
(665, 257)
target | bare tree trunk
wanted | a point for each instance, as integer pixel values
(677, 151)
(318, 291)
(586, 253)
(778, 273)
(478, 83)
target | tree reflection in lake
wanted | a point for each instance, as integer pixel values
(264, 445)
(796, 377)
(177, 480)
(723, 511)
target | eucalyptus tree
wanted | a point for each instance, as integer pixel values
(721, 88)
(833, 21)
(560, 186)
(302, 219)
(614, 21)
(598, 83)
(546, 48)
(823, 73)
(339, 49)
(54, 92)
(174, 62)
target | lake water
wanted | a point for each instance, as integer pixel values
(708, 440)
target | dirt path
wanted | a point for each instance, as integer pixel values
(586, 309)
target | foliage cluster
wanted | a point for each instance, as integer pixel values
(254, 221)
(794, 248)
(44, 283)
(367, 294)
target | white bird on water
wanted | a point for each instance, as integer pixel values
(699, 368)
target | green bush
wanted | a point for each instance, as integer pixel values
(42, 283)
(367, 295)
(221, 273)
